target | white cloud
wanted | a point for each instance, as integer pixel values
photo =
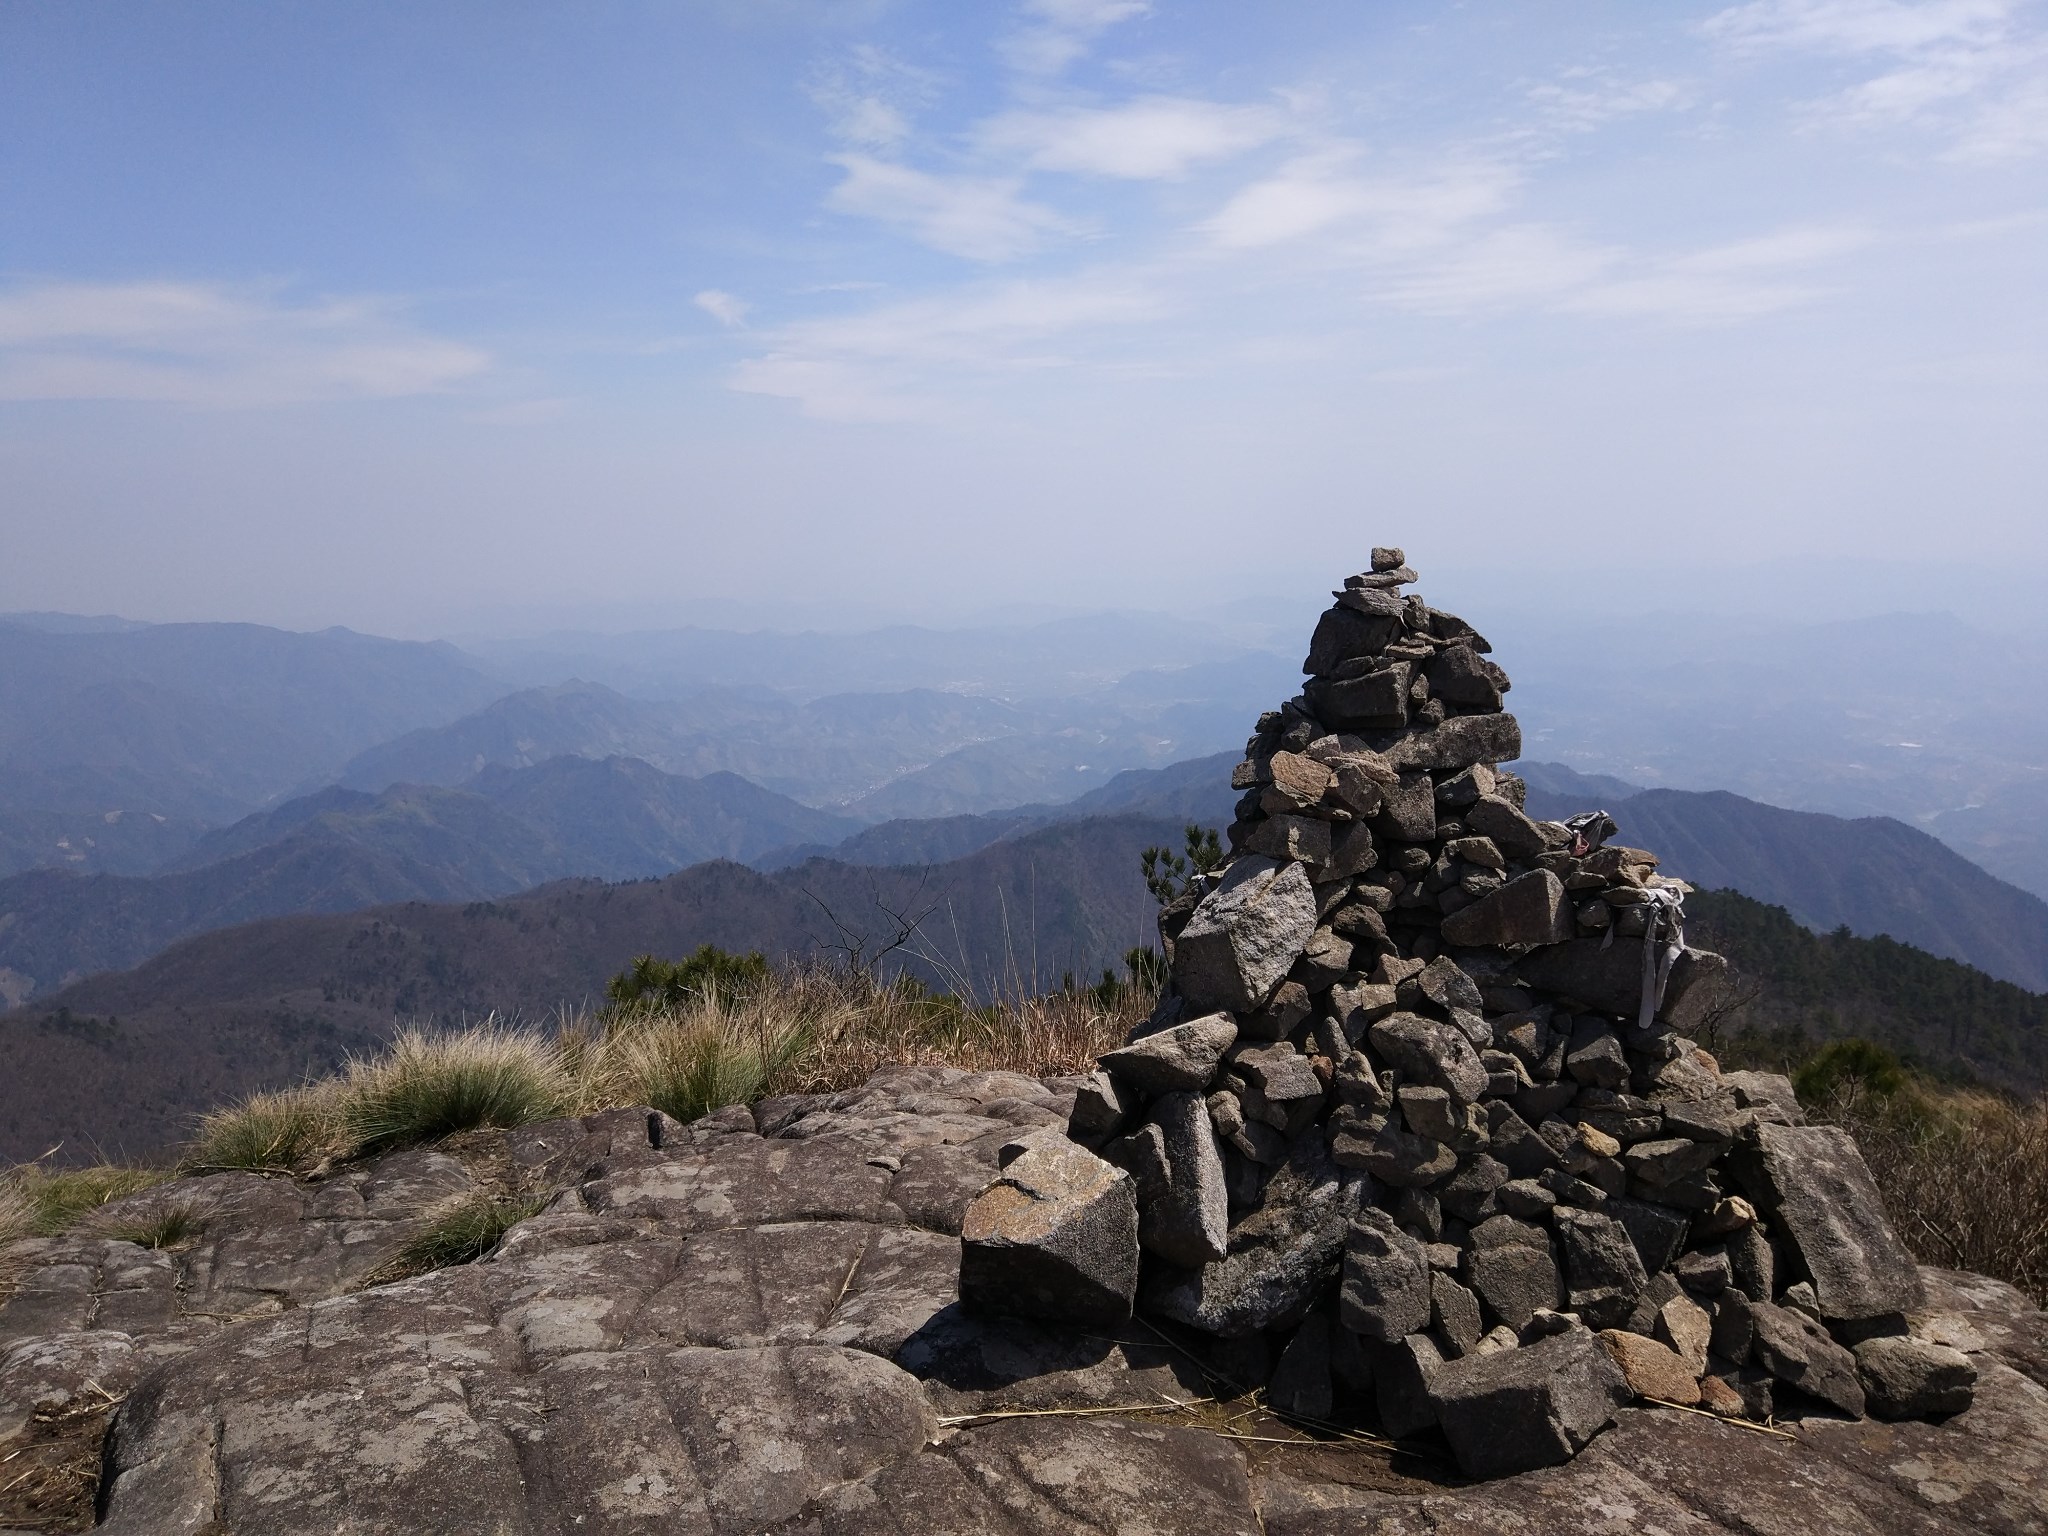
(1444, 243)
(869, 96)
(895, 362)
(1737, 281)
(2011, 128)
(1060, 31)
(208, 344)
(721, 306)
(1151, 138)
(1585, 102)
(1323, 194)
(980, 218)
(1516, 265)
(1861, 26)
(1965, 68)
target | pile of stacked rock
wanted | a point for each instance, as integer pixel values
(1420, 1124)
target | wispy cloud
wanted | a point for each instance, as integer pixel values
(894, 362)
(721, 306)
(1309, 218)
(210, 344)
(983, 218)
(869, 96)
(1150, 138)
(1974, 70)
(1862, 26)
(1325, 195)
(1585, 99)
(1737, 281)
(1058, 32)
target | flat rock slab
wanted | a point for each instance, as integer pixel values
(763, 1338)
(1048, 1478)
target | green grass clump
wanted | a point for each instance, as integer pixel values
(268, 1131)
(432, 1085)
(461, 1235)
(35, 1202)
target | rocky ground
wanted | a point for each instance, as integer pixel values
(756, 1327)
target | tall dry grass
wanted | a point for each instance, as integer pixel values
(862, 1029)
(1965, 1176)
(41, 1202)
(806, 1031)
(427, 1085)
(267, 1131)
(17, 1215)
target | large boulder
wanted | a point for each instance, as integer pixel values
(1529, 909)
(1909, 1378)
(1798, 1351)
(1183, 1205)
(1283, 1256)
(1430, 1052)
(1245, 936)
(1458, 742)
(1603, 1272)
(1386, 1294)
(1608, 976)
(1513, 1268)
(1373, 701)
(1653, 1370)
(1519, 1409)
(1056, 1235)
(1512, 832)
(1813, 1184)
(1184, 1056)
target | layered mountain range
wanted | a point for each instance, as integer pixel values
(223, 805)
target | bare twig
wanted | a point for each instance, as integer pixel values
(1170, 1405)
(1750, 1424)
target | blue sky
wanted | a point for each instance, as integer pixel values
(431, 315)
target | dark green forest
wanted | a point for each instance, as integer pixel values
(1798, 989)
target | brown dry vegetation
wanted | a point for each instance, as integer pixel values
(812, 1031)
(1964, 1174)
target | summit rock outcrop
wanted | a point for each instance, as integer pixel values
(1423, 1109)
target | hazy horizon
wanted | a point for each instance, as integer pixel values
(1994, 600)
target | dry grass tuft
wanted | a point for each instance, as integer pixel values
(37, 1202)
(1965, 1176)
(699, 1056)
(462, 1234)
(17, 1212)
(268, 1131)
(172, 1227)
(821, 1031)
(804, 1031)
(428, 1085)
(870, 1028)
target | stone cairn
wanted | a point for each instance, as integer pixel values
(1418, 1135)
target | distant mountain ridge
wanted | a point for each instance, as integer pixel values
(1197, 791)
(1871, 874)
(206, 720)
(869, 756)
(341, 849)
(126, 1059)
